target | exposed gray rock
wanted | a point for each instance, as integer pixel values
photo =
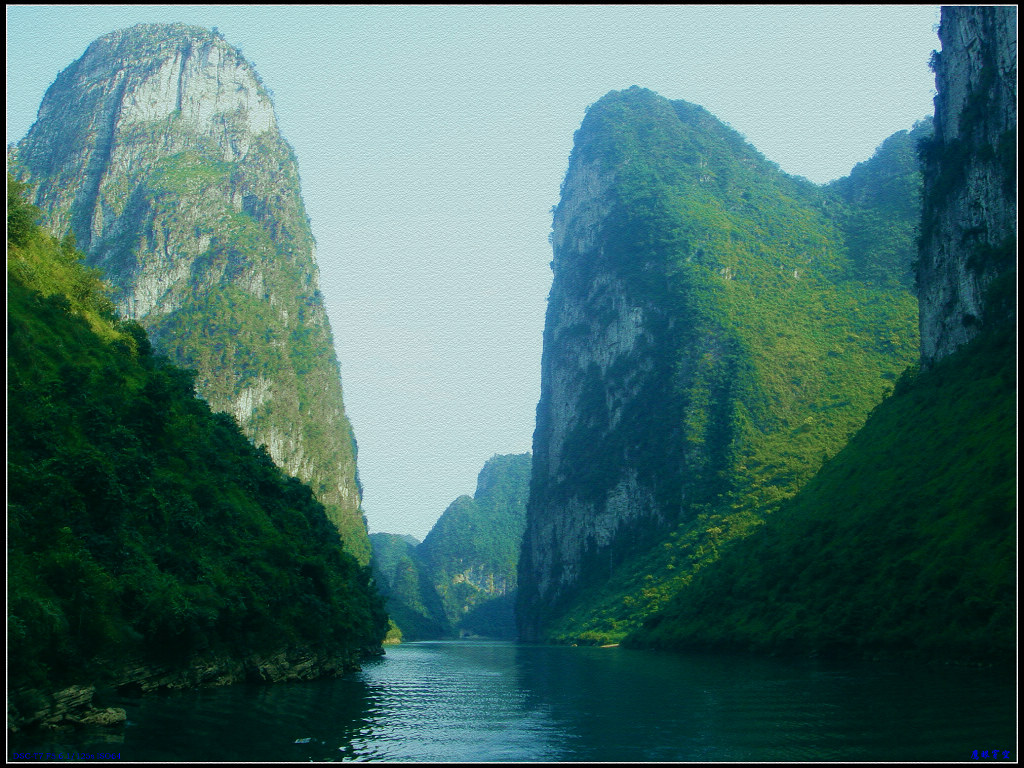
(73, 706)
(605, 351)
(969, 229)
(159, 151)
(66, 708)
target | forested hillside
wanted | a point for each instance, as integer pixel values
(159, 151)
(905, 542)
(149, 543)
(462, 578)
(882, 204)
(716, 331)
(412, 601)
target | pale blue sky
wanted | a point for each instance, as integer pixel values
(432, 141)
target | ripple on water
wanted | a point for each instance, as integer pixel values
(455, 702)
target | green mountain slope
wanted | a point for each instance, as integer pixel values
(882, 195)
(462, 578)
(903, 543)
(412, 601)
(148, 542)
(714, 333)
(471, 553)
(159, 151)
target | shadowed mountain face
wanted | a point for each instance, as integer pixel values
(904, 544)
(158, 150)
(715, 330)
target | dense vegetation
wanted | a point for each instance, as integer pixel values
(141, 525)
(197, 220)
(904, 542)
(882, 196)
(786, 315)
(462, 578)
(412, 602)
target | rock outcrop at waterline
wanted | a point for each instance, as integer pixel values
(159, 151)
(75, 706)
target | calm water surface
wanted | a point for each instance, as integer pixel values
(490, 701)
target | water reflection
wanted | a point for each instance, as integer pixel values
(466, 701)
(616, 704)
(451, 701)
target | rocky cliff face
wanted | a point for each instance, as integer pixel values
(969, 230)
(709, 338)
(159, 151)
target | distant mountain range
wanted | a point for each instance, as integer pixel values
(461, 580)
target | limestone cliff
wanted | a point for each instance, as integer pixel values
(966, 273)
(159, 151)
(710, 338)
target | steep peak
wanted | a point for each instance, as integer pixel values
(152, 90)
(147, 38)
(691, 280)
(966, 269)
(159, 150)
(633, 96)
(139, 46)
(623, 125)
(130, 79)
(614, 117)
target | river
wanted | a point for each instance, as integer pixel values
(492, 701)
